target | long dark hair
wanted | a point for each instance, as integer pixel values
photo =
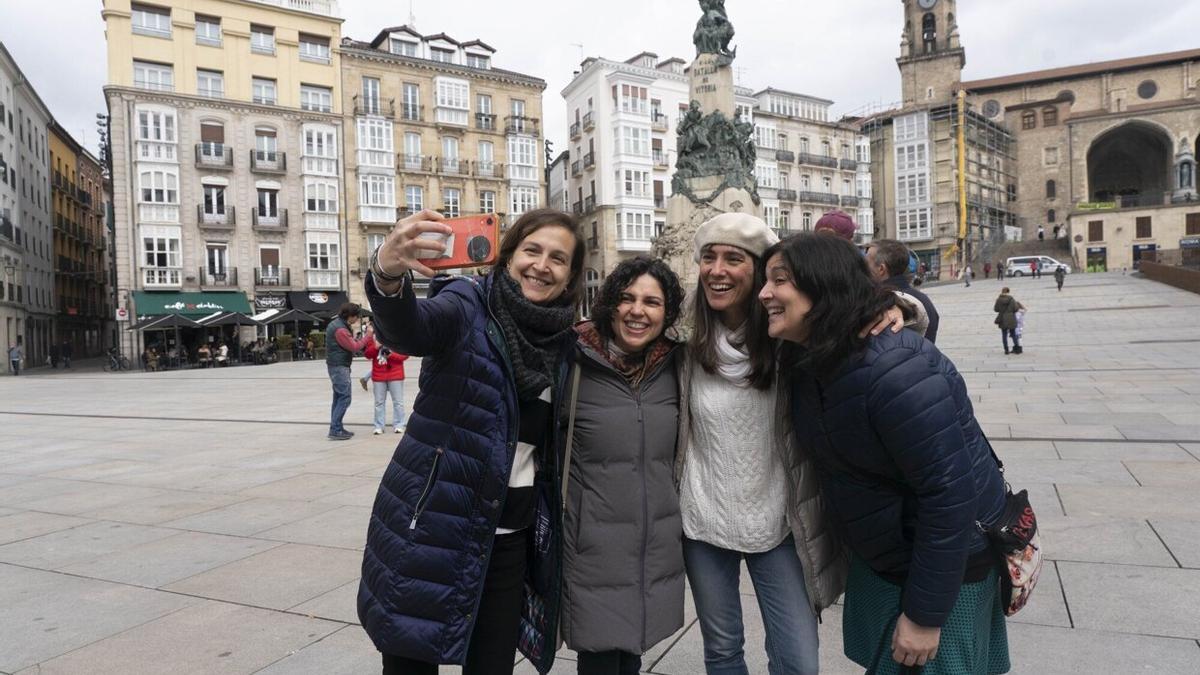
(532, 221)
(834, 276)
(604, 307)
(759, 345)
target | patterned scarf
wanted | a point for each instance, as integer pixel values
(532, 333)
(633, 367)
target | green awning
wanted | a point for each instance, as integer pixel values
(150, 303)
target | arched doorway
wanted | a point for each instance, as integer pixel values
(1131, 164)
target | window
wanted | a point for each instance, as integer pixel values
(521, 199)
(1049, 116)
(911, 127)
(414, 197)
(826, 149)
(522, 158)
(483, 104)
(161, 258)
(263, 91)
(631, 99)
(450, 154)
(827, 185)
(375, 141)
(485, 165)
(402, 47)
(771, 215)
(806, 221)
(1095, 230)
(1028, 120)
(156, 126)
(634, 183)
(216, 257)
(370, 96)
(913, 224)
(633, 141)
(785, 220)
(268, 203)
(210, 83)
(412, 150)
(147, 20)
(478, 61)
(767, 175)
(266, 145)
(453, 97)
(313, 48)
(208, 30)
(377, 190)
(910, 157)
(322, 253)
(320, 197)
(1143, 227)
(487, 201)
(316, 99)
(410, 101)
(635, 225)
(1192, 224)
(1051, 216)
(214, 200)
(1147, 89)
(262, 39)
(766, 137)
(592, 283)
(804, 145)
(320, 150)
(159, 187)
(374, 241)
(153, 76)
(451, 202)
(441, 54)
(1051, 189)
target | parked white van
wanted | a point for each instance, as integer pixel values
(1023, 265)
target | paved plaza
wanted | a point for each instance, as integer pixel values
(199, 522)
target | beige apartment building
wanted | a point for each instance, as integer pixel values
(226, 133)
(430, 122)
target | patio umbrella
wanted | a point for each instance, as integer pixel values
(231, 319)
(295, 316)
(165, 323)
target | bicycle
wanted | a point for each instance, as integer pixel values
(116, 361)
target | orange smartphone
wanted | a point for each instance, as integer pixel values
(473, 243)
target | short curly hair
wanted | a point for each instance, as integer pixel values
(604, 308)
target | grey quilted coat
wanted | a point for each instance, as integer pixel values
(622, 534)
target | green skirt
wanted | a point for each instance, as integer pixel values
(974, 639)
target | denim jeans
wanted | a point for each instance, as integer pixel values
(382, 389)
(790, 625)
(339, 376)
(1004, 335)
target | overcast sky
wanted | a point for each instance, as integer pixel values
(843, 50)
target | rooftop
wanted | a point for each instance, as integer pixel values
(1083, 70)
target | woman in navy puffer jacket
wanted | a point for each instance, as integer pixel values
(463, 554)
(905, 469)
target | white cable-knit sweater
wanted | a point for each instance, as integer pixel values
(734, 489)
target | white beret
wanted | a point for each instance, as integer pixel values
(736, 229)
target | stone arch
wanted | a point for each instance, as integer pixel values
(1130, 162)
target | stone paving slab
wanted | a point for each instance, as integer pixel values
(1133, 599)
(1074, 471)
(1041, 650)
(160, 562)
(347, 652)
(1128, 502)
(79, 544)
(18, 525)
(251, 516)
(1122, 451)
(1182, 538)
(1104, 540)
(1166, 473)
(207, 637)
(343, 527)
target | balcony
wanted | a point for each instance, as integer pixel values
(576, 168)
(272, 277)
(850, 200)
(268, 161)
(485, 121)
(377, 159)
(818, 198)
(214, 156)
(376, 214)
(817, 160)
(411, 112)
(151, 212)
(660, 159)
(848, 164)
(269, 222)
(225, 220)
(633, 245)
(452, 166)
(658, 122)
(575, 131)
(519, 124)
(577, 208)
(7, 230)
(589, 203)
(321, 7)
(373, 107)
(413, 163)
(660, 202)
(589, 121)
(226, 278)
(488, 169)
(589, 160)
(162, 277)
(323, 280)
(594, 243)
(785, 156)
(786, 195)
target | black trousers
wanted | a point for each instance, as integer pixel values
(1004, 335)
(609, 663)
(493, 645)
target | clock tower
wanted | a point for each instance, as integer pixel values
(931, 56)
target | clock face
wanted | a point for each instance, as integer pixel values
(926, 4)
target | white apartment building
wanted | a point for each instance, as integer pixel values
(26, 234)
(809, 165)
(558, 182)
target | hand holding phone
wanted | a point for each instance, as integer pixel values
(401, 250)
(472, 242)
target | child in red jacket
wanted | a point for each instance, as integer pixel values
(387, 374)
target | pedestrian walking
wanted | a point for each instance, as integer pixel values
(1060, 276)
(904, 467)
(622, 554)
(15, 356)
(999, 271)
(53, 356)
(1006, 308)
(387, 376)
(966, 275)
(464, 537)
(67, 351)
(987, 270)
(1041, 233)
(888, 261)
(1035, 270)
(340, 348)
(1057, 229)
(747, 493)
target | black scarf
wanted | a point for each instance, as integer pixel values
(533, 333)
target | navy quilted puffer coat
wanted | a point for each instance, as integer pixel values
(434, 519)
(905, 468)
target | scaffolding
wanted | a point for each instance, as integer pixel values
(991, 184)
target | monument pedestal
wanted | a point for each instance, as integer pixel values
(684, 217)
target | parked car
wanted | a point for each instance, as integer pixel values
(1021, 265)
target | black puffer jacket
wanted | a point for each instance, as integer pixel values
(906, 470)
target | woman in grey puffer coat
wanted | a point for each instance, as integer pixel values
(622, 553)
